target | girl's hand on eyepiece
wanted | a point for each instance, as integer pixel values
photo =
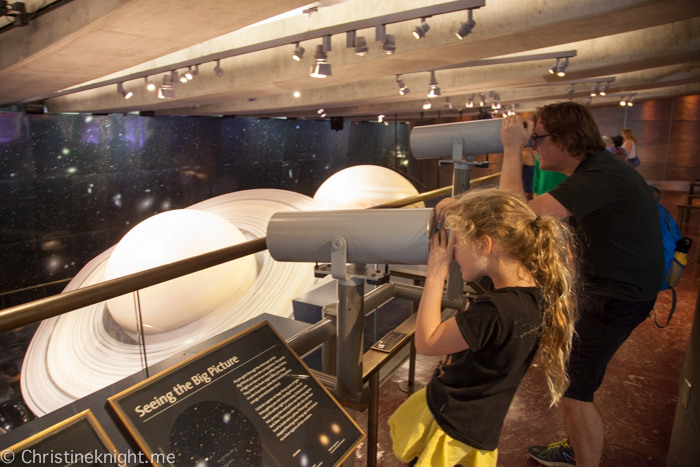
(441, 253)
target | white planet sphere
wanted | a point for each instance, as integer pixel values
(364, 186)
(168, 237)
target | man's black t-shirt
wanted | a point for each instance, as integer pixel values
(470, 399)
(615, 216)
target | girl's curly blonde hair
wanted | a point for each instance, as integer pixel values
(545, 246)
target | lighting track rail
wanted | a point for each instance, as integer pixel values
(399, 17)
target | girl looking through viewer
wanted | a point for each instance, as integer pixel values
(458, 418)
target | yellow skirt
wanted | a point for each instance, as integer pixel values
(415, 433)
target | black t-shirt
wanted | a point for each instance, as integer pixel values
(470, 399)
(617, 221)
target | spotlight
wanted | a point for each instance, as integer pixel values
(403, 89)
(297, 94)
(623, 101)
(466, 28)
(561, 67)
(470, 102)
(553, 68)
(496, 102)
(218, 70)
(196, 70)
(320, 111)
(380, 118)
(389, 45)
(604, 89)
(630, 102)
(150, 85)
(434, 88)
(571, 90)
(183, 77)
(298, 53)
(427, 104)
(321, 68)
(166, 90)
(448, 104)
(124, 92)
(420, 30)
(361, 48)
(188, 74)
(594, 90)
(323, 115)
(482, 100)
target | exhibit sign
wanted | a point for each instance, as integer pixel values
(246, 401)
(78, 440)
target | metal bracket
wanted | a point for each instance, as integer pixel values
(339, 258)
(372, 276)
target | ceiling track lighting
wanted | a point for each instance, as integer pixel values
(420, 30)
(218, 70)
(470, 102)
(321, 69)
(594, 90)
(166, 91)
(482, 100)
(571, 90)
(298, 53)
(361, 47)
(189, 75)
(427, 104)
(496, 101)
(296, 94)
(604, 88)
(403, 89)
(183, 77)
(559, 67)
(389, 45)
(150, 85)
(448, 104)
(126, 94)
(630, 101)
(466, 28)
(380, 118)
(434, 88)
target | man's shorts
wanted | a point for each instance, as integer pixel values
(604, 324)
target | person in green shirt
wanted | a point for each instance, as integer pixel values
(544, 180)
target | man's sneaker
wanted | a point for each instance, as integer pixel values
(559, 454)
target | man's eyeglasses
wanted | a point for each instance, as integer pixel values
(534, 138)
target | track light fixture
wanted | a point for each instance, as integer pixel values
(403, 89)
(553, 69)
(150, 85)
(389, 45)
(594, 90)
(482, 100)
(298, 53)
(604, 88)
(434, 88)
(448, 104)
(559, 67)
(361, 47)
(166, 91)
(420, 30)
(470, 102)
(183, 77)
(630, 101)
(321, 68)
(380, 118)
(296, 94)
(496, 102)
(218, 70)
(466, 28)
(188, 74)
(571, 90)
(427, 104)
(126, 94)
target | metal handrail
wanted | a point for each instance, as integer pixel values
(38, 310)
(22, 315)
(430, 194)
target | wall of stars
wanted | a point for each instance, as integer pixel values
(73, 185)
